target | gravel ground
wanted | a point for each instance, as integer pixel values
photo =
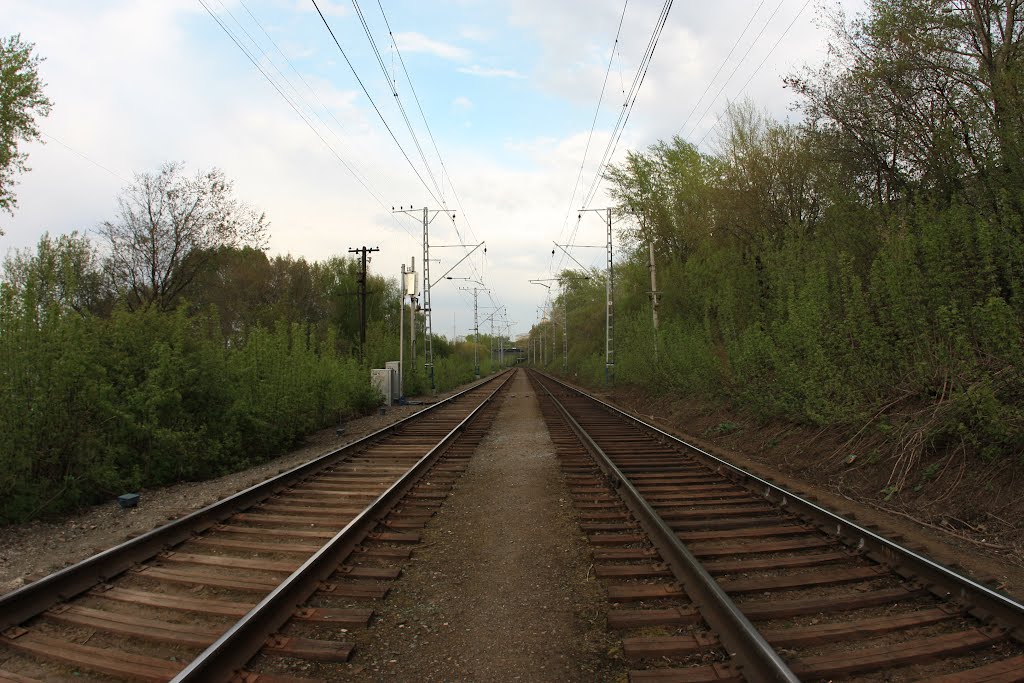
(31, 551)
(500, 588)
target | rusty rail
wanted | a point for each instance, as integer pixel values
(239, 643)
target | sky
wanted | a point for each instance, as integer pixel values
(504, 98)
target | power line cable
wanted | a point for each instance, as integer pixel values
(300, 114)
(309, 88)
(593, 123)
(374, 104)
(380, 61)
(444, 170)
(82, 154)
(740, 92)
(627, 109)
(440, 159)
(738, 64)
(394, 92)
(721, 66)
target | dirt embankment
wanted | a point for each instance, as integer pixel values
(960, 511)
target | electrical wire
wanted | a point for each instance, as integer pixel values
(593, 123)
(394, 92)
(375, 108)
(721, 66)
(624, 113)
(82, 154)
(398, 101)
(738, 64)
(298, 111)
(631, 97)
(755, 72)
(440, 159)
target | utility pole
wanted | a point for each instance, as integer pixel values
(428, 336)
(565, 329)
(654, 301)
(540, 332)
(401, 335)
(609, 349)
(552, 320)
(491, 317)
(362, 295)
(408, 288)
(609, 316)
(412, 312)
(476, 328)
(565, 313)
(542, 282)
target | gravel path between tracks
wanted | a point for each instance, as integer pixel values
(31, 551)
(501, 587)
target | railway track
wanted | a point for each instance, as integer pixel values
(712, 574)
(717, 575)
(260, 586)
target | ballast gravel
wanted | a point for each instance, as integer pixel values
(501, 588)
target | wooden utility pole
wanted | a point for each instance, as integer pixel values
(363, 251)
(654, 301)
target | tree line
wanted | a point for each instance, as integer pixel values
(862, 267)
(170, 347)
(167, 345)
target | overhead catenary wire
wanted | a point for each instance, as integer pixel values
(624, 113)
(295, 107)
(738, 64)
(419, 105)
(597, 111)
(440, 159)
(302, 78)
(758, 69)
(631, 97)
(398, 101)
(721, 66)
(372, 102)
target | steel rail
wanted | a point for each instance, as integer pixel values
(979, 600)
(244, 639)
(751, 652)
(34, 598)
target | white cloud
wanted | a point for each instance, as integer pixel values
(489, 72)
(210, 107)
(477, 34)
(417, 42)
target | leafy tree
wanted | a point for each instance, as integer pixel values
(768, 179)
(21, 101)
(238, 283)
(169, 227)
(65, 273)
(665, 191)
(924, 95)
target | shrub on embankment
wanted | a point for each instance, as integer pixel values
(93, 407)
(97, 399)
(861, 270)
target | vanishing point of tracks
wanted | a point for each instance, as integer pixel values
(711, 573)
